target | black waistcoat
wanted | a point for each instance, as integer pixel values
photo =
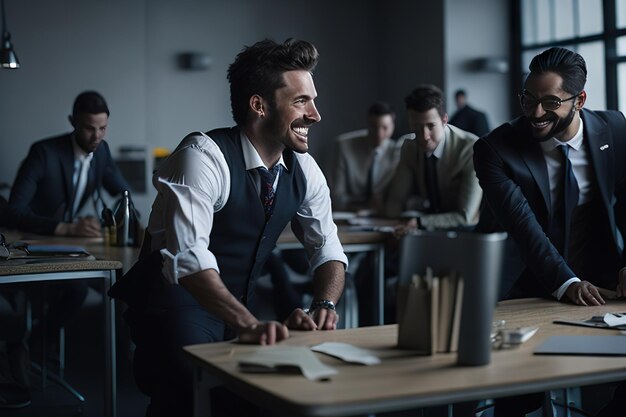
(241, 240)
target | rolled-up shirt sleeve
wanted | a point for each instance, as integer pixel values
(313, 223)
(192, 185)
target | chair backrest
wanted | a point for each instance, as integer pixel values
(478, 259)
(352, 134)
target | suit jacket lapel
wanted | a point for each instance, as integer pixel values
(66, 156)
(532, 154)
(595, 133)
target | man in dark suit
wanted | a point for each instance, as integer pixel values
(467, 117)
(60, 174)
(554, 180)
(54, 182)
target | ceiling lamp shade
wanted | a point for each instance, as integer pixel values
(8, 58)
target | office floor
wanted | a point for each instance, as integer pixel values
(85, 372)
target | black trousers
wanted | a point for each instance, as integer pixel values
(161, 371)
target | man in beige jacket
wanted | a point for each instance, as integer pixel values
(435, 178)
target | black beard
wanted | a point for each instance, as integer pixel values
(559, 127)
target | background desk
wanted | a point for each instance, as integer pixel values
(13, 272)
(405, 381)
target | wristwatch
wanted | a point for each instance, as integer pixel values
(326, 304)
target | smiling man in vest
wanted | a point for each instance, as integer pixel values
(223, 199)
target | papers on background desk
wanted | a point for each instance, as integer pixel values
(290, 359)
(608, 321)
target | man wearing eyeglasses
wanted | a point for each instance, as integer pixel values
(555, 180)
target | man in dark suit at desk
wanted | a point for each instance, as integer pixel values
(54, 182)
(223, 199)
(554, 180)
(60, 174)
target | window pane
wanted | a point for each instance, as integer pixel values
(543, 21)
(621, 13)
(621, 46)
(564, 23)
(593, 53)
(621, 87)
(528, 22)
(590, 17)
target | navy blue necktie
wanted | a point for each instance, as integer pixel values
(567, 200)
(432, 188)
(267, 188)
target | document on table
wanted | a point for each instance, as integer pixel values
(286, 359)
(347, 353)
(607, 321)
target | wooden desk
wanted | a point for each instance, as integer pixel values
(405, 381)
(355, 242)
(42, 271)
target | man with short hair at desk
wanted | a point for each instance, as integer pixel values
(555, 180)
(223, 199)
(60, 174)
(435, 175)
(366, 164)
(54, 182)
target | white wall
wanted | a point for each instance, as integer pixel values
(478, 29)
(127, 49)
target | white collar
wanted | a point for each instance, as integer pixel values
(251, 157)
(576, 142)
(79, 152)
(438, 152)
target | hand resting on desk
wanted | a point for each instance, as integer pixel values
(322, 319)
(84, 226)
(584, 293)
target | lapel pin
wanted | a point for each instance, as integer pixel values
(603, 147)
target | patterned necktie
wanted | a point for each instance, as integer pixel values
(567, 200)
(267, 188)
(430, 175)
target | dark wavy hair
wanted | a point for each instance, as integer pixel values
(381, 108)
(258, 69)
(426, 97)
(89, 102)
(568, 64)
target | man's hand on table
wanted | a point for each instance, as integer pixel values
(584, 293)
(320, 318)
(264, 333)
(84, 227)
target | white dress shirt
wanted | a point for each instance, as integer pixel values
(582, 171)
(194, 183)
(82, 163)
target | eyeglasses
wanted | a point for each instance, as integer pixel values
(549, 103)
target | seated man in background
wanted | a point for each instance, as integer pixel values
(435, 176)
(223, 199)
(365, 165)
(53, 183)
(60, 175)
(555, 180)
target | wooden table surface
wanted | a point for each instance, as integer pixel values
(404, 380)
